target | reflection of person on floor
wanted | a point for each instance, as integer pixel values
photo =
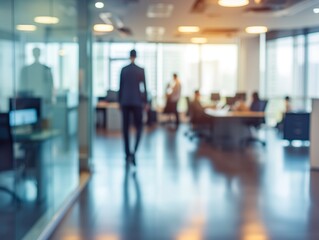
(36, 80)
(132, 206)
(173, 94)
(132, 100)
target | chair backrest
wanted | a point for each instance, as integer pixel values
(241, 95)
(230, 101)
(6, 143)
(258, 106)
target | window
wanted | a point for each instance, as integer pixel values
(219, 69)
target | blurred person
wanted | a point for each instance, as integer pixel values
(197, 111)
(255, 101)
(36, 80)
(288, 107)
(173, 94)
(132, 101)
(240, 105)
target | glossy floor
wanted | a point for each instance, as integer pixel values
(191, 190)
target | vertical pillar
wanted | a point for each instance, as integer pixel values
(85, 124)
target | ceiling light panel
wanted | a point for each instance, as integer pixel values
(99, 5)
(256, 29)
(233, 3)
(26, 28)
(103, 28)
(199, 40)
(160, 10)
(188, 29)
(46, 20)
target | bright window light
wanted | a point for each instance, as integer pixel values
(316, 10)
(256, 29)
(233, 3)
(188, 29)
(99, 5)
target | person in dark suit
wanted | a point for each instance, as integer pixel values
(132, 101)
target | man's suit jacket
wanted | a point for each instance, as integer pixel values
(132, 80)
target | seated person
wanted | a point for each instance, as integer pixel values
(197, 111)
(287, 104)
(254, 106)
(240, 105)
(287, 108)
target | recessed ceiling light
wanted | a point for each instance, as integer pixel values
(159, 10)
(99, 5)
(199, 40)
(46, 20)
(188, 29)
(233, 3)
(316, 10)
(154, 31)
(103, 28)
(26, 28)
(256, 29)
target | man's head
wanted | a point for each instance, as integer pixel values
(196, 94)
(175, 76)
(132, 55)
(36, 53)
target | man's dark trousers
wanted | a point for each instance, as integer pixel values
(137, 113)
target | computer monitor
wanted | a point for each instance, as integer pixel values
(241, 95)
(24, 103)
(215, 97)
(112, 96)
(230, 100)
(23, 117)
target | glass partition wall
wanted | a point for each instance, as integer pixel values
(39, 166)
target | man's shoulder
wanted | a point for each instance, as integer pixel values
(132, 67)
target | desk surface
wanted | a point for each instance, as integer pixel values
(36, 136)
(227, 114)
(103, 104)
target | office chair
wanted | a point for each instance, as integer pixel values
(198, 124)
(255, 124)
(241, 95)
(6, 151)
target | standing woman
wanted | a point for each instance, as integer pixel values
(173, 94)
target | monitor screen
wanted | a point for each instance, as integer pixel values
(230, 100)
(241, 96)
(215, 97)
(26, 103)
(112, 96)
(23, 117)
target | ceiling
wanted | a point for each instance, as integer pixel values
(217, 24)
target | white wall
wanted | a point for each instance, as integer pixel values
(248, 65)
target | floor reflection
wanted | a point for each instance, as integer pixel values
(184, 189)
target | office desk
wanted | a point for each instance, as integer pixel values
(231, 128)
(37, 146)
(111, 115)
